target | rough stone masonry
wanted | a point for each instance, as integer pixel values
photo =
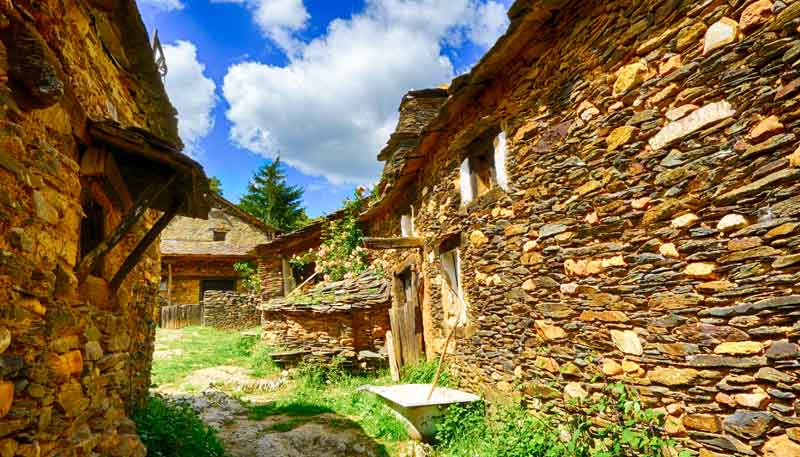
(650, 229)
(75, 352)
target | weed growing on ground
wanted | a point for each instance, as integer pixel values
(424, 372)
(171, 430)
(205, 347)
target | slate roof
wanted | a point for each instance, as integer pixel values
(361, 293)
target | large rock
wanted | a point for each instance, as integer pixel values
(755, 14)
(5, 339)
(630, 77)
(549, 331)
(6, 397)
(619, 137)
(748, 424)
(739, 348)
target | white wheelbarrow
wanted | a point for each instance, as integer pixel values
(420, 416)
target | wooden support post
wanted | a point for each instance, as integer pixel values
(169, 284)
(394, 243)
(90, 262)
(144, 243)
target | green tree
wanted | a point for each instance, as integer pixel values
(272, 200)
(215, 184)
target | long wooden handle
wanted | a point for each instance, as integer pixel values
(301, 285)
(446, 344)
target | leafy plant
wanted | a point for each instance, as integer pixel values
(341, 254)
(249, 275)
(423, 373)
(174, 430)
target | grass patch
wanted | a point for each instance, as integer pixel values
(205, 347)
(170, 430)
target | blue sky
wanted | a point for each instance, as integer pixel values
(316, 81)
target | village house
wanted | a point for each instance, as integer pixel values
(198, 255)
(90, 174)
(613, 191)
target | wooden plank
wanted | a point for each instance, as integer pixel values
(93, 162)
(410, 242)
(93, 258)
(115, 180)
(169, 284)
(394, 368)
(148, 239)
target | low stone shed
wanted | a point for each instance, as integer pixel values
(330, 319)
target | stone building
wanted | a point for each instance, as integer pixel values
(198, 255)
(90, 173)
(613, 190)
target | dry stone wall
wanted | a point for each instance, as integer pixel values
(652, 227)
(230, 310)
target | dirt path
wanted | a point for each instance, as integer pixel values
(221, 396)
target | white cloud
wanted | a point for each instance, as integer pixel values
(166, 5)
(489, 22)
(330, 110)
(278, 20)
(192, 93)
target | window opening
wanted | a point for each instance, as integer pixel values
(484, 168)
(406, 225)
(453, 301)
(92, 230)
(220, 235)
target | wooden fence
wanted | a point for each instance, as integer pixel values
(179, 316)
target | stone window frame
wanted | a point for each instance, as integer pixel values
(483, 166)
(219, 235)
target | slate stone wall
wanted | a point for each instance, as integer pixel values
(652, 227)
(74, 358)
(230, 310)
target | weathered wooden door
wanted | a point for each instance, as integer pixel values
(406, 317)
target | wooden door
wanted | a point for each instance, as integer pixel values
(406, 317)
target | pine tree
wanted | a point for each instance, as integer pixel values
(272, 200)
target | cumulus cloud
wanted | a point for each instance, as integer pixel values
(192, 93)
(330, 110)
(166, 5)
(279, 20)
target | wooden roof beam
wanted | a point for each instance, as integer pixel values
(394, 243)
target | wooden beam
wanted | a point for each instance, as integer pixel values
(144, 244)
(169, 284)
(133, 216)
(394, 243)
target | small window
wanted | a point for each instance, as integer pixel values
(92, 230)
(484, 168)
(453, 301)
(220, 235)
(163, 285)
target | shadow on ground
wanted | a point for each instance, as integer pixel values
(294, 429)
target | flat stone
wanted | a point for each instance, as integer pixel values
(548, 230)
(71, 400)
(603, 316)
(547, 364)
(755, 14)
(6, 397)
(754, 253)
(753, 188)
(627, 341)
(668, 250)
(766, 127)
(709, 361)
(783, 350)
(619, 137)
(770, 144)
(720, 33)
(539, 390)
(690, 35)
(670, 376)
(787, 89)
(794, 158)
(697, 120)
(715, 286)
(700, 269)
(748, 424)
(786, 261)
(630, 77)
(703, 422)
(739, 348)
(685, 220)
(752, 308)
(679, 112)
(725, 442)
(549, 331)
(732, 222)
(611, 368)
(743, 244)
(758, 399)
(477, 238)
(781, 446)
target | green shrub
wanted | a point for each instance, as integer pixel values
(424, 372)
(170, 430)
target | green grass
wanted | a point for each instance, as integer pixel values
(170, 430)
(204, 347)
